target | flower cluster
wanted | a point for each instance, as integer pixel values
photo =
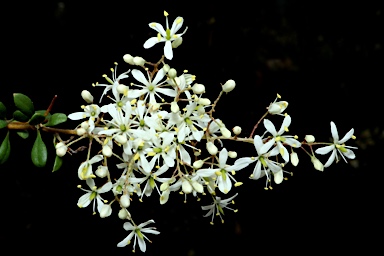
(157, 124)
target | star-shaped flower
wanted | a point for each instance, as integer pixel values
(137, 232)
(93, 194)
(337, 146)
(166, 36)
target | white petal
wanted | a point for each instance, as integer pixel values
(349, 154)
(177, 24)
(335, 134)
(84, 200)
(278, 177)
(158, 27)
(243, 162)
(168, 50)
(223, 156)
(325, 150)
(141, 244)
(331, 159)
(166, 91)
(151, 42)
(139, 76)
(286, 123)
(77, 116)
(347, 136)
(159, 76)
(258, 142)
(270, 127)
(105, 188)
(264, 149)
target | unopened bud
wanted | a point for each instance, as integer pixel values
(198, 88)
(197, 186)
(172, 73)
(177, 42)
(278, 177)
(107, 151)
(128, 59)
(232, 154)
(105, 211)
(277, 107)
(102, 171)
(212, 149)
(61, 149)
(198, 164)
(186, 187)
(87, 96)
(229, 86)
(294, 159)
(225, 132)
(317, 164)
(80, 131)
(236, 130)
(138, 61)
(204, 101)
(84, 125)
(124, 214)
(122, 139)
(166, 68)
(124, 201)
(309, 138)
(122, 89)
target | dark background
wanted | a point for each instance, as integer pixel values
(324, 58)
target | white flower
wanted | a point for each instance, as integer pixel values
(93, 194)
(151, 88)
(85, 169)
(338, 145)
(137, 232)
(218, 206)
(166, 36)
(229, 86)
(222, 173)
(261, 160)
(276, 108)
(279, 139)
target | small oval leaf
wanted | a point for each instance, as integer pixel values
(3, 124)
(3, 110)
(57, 164)
(23, 134)
(5, 149)
(56, 119)
(37, 118)
(19, 116)
(39, 152)
(24, 103)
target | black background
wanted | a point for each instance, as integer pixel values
(324, 58)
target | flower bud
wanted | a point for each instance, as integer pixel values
(317, 164)
(138, 61)
(102, 171)
(174, 107)
(186, 187)
(198, 89)
(225, 132)
(80, 131)
(124, 201)
(236, 130)
(197, 186)
(166, 68)
(105, 211)
(120, 139)
(87, 96)
(309, 138)
(172, 73)
(277, 107)
(122, 89)
(84, 125)
(204, 101)
(232, 154)
(124, 214)
(278, 177)
(294, 159)
(107, 151)
(229, 86)
(128, 59)
(212, 149)
(61, 149)
(177, 42)
(198, 164)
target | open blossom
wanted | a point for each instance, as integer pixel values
(217, 207)
(137, 233)
(85, 169)
(168, 35)
(94, 195)
(279, 139)
(261, 160)
(337, 146)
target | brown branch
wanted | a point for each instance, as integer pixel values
(27, 126)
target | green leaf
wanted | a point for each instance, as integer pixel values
(57, 164)
(19, 116)
(5, 149)
(39, 152)
(37, 118)
(24, 103)
(3, 124)
(43, 112)
(3, 110)
(56, 119)
(23, 134)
